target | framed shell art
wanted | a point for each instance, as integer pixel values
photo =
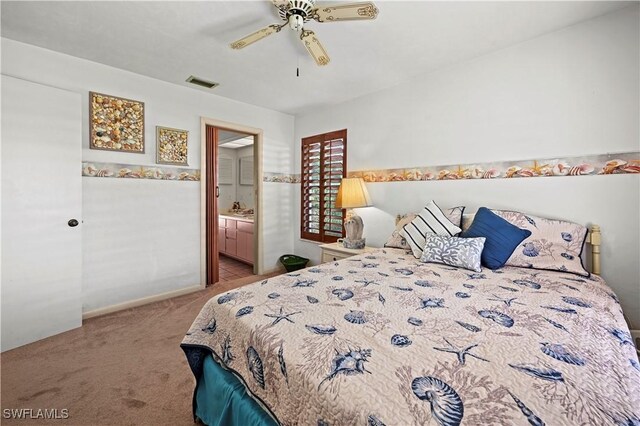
(171, 146)
(116, 124)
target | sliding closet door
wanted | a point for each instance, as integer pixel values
(41, 211)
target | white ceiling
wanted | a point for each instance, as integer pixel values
(229, 139)
(172, 40)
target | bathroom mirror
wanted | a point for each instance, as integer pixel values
(235, 171)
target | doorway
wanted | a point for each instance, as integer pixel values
(231, 198)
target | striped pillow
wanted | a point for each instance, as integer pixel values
(454, 214)
(430, 220)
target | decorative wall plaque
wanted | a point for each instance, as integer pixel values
(116, 124)
(171, 146)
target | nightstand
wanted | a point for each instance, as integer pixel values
(335, 251)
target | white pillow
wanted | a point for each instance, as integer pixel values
(430, 220)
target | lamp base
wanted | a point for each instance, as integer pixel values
(354, 244)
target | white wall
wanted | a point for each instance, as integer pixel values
(572, 92)
(234, 191)
(244, 193)
(228, 190)
(142, 237)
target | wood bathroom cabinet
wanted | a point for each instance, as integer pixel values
(235, 238)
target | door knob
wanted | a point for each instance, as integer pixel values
(72, 223)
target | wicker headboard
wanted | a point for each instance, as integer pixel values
(594, 238)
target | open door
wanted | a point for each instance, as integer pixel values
(212, 133)
(212, 193)
(41, 211)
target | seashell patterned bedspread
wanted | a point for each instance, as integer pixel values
(384, 339)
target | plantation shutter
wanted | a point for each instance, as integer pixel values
(323, 167)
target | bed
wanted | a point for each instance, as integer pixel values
(385, 339)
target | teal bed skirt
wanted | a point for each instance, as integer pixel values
(222, 400)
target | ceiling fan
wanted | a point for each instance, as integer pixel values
(296, 13)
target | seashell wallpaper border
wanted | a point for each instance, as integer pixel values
(605, 164)
(130, 171)
(281, 177)
(592, 165)
(161, 172)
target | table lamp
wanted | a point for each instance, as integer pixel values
(352, 193)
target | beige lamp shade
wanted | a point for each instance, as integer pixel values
(352, 193)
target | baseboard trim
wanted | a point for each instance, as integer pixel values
(155, 298)
(276, 270)
(139, 302)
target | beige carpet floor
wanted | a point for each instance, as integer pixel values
(124, 368)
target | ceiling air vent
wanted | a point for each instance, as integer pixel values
(203, 83)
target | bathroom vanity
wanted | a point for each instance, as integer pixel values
(235, 237)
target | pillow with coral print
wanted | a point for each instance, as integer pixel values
(554, 245)
(453, 251)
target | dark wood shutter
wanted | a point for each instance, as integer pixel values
(324, 164)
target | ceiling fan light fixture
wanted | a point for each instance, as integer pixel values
(296, 13)
(302, 7)
(296, 22)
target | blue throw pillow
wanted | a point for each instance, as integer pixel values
(502, 238)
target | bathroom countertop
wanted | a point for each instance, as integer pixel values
(239, 218)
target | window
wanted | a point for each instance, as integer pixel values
(324, 159)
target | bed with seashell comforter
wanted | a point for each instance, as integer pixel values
(384, 339)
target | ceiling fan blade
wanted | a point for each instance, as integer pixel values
(346, 12)
(257, 36)
(314, 47)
